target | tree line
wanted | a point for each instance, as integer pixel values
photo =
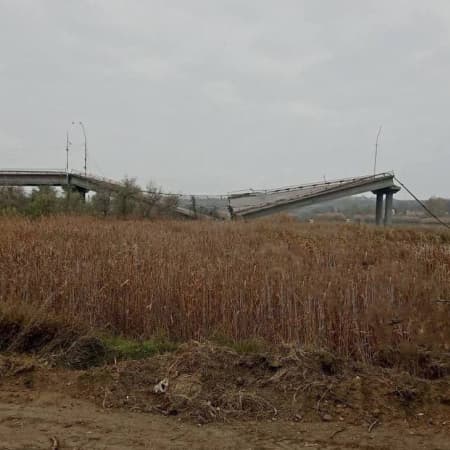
(128, 200)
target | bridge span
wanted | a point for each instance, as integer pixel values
(247, 204)
(54, 177)
(78, 181)
(261, 203)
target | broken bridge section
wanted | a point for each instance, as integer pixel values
(262, 203)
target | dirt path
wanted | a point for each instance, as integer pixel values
(29, 420)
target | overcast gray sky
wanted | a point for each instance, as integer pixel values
(208, 96)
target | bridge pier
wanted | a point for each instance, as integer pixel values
(388, 210)
(379, 209)
(81, 192)
(388, 203)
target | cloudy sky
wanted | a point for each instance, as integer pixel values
(208, 96)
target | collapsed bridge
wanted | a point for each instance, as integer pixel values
(246, 204)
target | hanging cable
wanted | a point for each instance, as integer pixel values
(422, 204)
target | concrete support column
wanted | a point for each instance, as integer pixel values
(82, 193)
(379, 209)
(388, 212)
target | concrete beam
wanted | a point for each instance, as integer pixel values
(33, 179)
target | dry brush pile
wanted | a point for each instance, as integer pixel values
(354, 290)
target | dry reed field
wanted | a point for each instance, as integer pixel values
(354, 290)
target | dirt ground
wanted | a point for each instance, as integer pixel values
(219, 399)
(33, 420)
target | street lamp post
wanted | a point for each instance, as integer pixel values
(85, 145)
(67, 151)
(376, 151)
(67, 156)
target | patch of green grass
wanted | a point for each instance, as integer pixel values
(243, 347)
(123, 348)
(248, 346)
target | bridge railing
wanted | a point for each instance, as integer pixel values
(33, 171)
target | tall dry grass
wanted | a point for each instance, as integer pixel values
(351, 289)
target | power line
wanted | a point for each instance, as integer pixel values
(423, 204)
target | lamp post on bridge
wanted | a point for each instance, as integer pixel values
(85, 145)
(376, 151)
(68, 143)
(67, 151)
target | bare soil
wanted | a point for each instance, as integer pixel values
(34, 420)
(217, 398)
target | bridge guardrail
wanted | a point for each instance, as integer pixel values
(33, 171)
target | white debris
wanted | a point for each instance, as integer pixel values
(161, 387)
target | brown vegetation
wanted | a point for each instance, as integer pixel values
(357, 291)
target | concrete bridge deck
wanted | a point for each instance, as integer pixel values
(240, 204)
